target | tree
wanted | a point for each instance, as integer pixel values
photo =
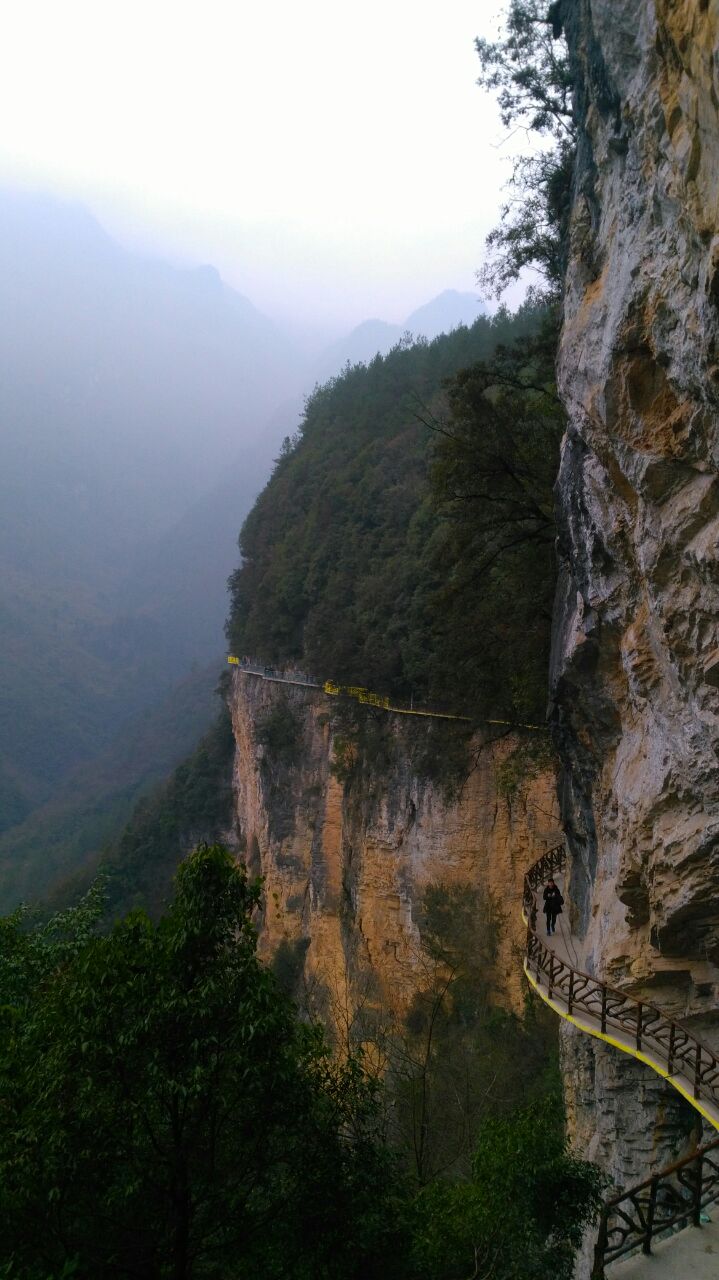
(529, 68)
(522, 1214)
(495, 461)
(165, 1114)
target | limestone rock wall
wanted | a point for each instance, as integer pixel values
(346, 863)
(636, 660)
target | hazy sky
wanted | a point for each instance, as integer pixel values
(332, 160)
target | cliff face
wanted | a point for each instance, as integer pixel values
(346, 862)
(636, 664)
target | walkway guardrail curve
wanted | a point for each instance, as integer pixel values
(677, 1195)
(674, 1198)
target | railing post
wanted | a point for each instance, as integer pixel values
(697, 1206)
(604, 1008)
(639, 1025)
(647, 1242)
(600, 1247)
(551, 974)
(697, 1071)
(570, 998)
(670, 1061)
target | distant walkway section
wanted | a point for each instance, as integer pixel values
(364, 696)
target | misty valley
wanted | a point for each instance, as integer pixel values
(358, 642)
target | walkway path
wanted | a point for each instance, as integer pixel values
(675, 1197)
(691, 1255)
(665, 1216)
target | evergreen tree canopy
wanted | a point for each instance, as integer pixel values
(351, 550)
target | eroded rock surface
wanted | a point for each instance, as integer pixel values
(346, 863)
(635, 689)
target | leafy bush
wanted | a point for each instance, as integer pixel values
(280, 733)
(521, 1215)
(164, 1112)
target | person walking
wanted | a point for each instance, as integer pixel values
(553, 903)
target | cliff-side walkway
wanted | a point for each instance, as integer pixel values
(648, 1216)
(692, 1254)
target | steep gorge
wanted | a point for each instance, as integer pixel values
(634, 680)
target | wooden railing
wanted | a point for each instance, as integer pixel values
(666, 1202)
(675, 1196)
(647, 1029)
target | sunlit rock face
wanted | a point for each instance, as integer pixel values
(346, 863)
(636, 663)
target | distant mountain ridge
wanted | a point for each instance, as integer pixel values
(141, 408)
(376, 337)
(133, 403)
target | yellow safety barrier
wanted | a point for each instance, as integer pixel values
(373, 700)
(367, 698)
(435, 715)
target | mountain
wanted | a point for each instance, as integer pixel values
(444, 313)
(369, 339)
(376, 337)
(361, 557)
(346, 558)
(97, 797)
(125, 383)
(133, 403)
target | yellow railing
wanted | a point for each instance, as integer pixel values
(674, 1196)
(367, 698)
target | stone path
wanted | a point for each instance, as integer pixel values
(691, 1254)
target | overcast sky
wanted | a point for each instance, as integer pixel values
(334, 161)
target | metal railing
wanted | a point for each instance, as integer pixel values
(669, 1200)
(281, 675)
(675, 1196)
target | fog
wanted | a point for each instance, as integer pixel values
(204, 210)
(333, 164)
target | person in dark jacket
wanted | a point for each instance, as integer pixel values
(553, 903)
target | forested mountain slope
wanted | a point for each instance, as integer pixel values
(404, 541)
(369, 558)
(70, 830)
(133, 397)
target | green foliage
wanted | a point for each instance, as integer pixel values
(347, 553)
(164, 1112)
(522, 1213)
(194, 804)
(495, 462)
(459, 1058)
(280, 733)
(529, 67)
(167, 1115)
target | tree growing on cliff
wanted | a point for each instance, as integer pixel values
(459, 1058)
(495, 460)
(165, 1114)
(522, 1213)
(528, 68)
